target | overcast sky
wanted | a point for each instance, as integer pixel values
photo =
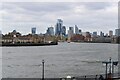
(88, 16)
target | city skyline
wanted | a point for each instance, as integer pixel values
(75, 30)
(60, 29)
(88, 16)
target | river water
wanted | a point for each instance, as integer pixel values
(74, 59)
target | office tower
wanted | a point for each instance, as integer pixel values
(80, 31)
(14, 31)
(0, 34)
(63, 30)
(106, 35)
(70, 32)
(94, 34)
(117, 32)
(101, 34)
(72, 29)
(110, 33)
(33, 30)
(58, 27)
(50, 31)
(76, 30)
(88, 34)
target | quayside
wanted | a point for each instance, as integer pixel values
(29, 44)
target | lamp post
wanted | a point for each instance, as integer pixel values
(111, 64)
(107, 62)
(43, 69)
(106, 69)
(115, 63)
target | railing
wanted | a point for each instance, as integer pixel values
(87, 77)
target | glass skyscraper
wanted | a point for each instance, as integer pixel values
(50, 31)
(58, 28)
(76, 30)
(117, 32)
(33, 30)
(63, 30)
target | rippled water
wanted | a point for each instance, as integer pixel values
(74, 59)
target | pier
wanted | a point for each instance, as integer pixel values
(29, 44)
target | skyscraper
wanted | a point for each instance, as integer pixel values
(70, 32)
(80, 31)
(0, 35)
(101, 34)
(0, 32)
(63, 30)
(58, 27)
(117, 32)
(33, 30)
(76, 30)
(110, 33)
(50, 31)
(94, 34)
(72, 29)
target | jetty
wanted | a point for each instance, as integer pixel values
(29, 44)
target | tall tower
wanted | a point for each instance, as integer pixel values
(70, 32)
(0, 36)
(95, 34)
(117, 32)
(110, 33)
(33, 30)
(101, 34)
(63, 30)
(50, 31)
(58, 28)
(76, 30)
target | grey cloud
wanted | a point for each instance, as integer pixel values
(96, 5)
(41, 6)
(36, 10)
(46, 13)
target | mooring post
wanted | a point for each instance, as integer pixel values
(43, 69)
(110, 65)
(112, 70)
(96, 77)
(85, 77)
(106, 70)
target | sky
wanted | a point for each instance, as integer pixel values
(88, 16)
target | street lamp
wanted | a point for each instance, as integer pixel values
(115, 63)
(110, 62)
(107, 62)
